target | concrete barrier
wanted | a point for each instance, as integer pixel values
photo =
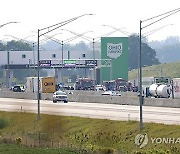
(96, 97)
(162, 102)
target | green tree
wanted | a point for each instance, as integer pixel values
(168, 49)
(19, 75)
(148, 54)
(81, 46)
(2, 47)
(18, 46)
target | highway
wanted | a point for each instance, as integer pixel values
(94, 110)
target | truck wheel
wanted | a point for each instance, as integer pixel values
(65, 101)
(54, 101)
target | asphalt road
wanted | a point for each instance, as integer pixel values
(94, 110)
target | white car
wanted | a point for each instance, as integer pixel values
(60, 96)
(111, 93)
(99, 88)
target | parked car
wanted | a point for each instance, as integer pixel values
(60, 96)
(111, 93)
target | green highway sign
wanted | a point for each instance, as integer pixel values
(116, 50)
(69, 61)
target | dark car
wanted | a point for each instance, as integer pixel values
(17, 88)
(111, 93)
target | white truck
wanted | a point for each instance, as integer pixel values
(160, 90)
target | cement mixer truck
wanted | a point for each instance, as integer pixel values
(160, 90)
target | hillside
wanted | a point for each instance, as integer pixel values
(170, 70)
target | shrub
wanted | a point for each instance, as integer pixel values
(18, 140)
(3, 123)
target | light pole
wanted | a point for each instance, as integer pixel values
(93, 46)
(29, 43)
(45, 31)
(99, 38)
(140, 80)
(33, 45)
(93, 42)
(62, 63)
(94, 69)
(43, 40)
(160, 17)
(8, 71)
(64, 42)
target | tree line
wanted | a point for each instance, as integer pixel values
(15, 46)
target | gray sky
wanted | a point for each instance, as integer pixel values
(126, 14)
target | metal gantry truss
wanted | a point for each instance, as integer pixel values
(80, 63)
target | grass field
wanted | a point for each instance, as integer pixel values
(15, 149)
(171, 70)
(104, 136)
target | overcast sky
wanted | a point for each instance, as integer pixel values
(126, 14)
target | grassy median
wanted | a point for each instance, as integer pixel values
(83, 135)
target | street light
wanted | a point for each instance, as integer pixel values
(94, 40)
(155, 30)
(66, 41)
(118, 29)
(19, 39)
(161, 17)
(7, 24)
(73, 38)
(45, 31)
(29, 43)
(8, 71)
(99, 38)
